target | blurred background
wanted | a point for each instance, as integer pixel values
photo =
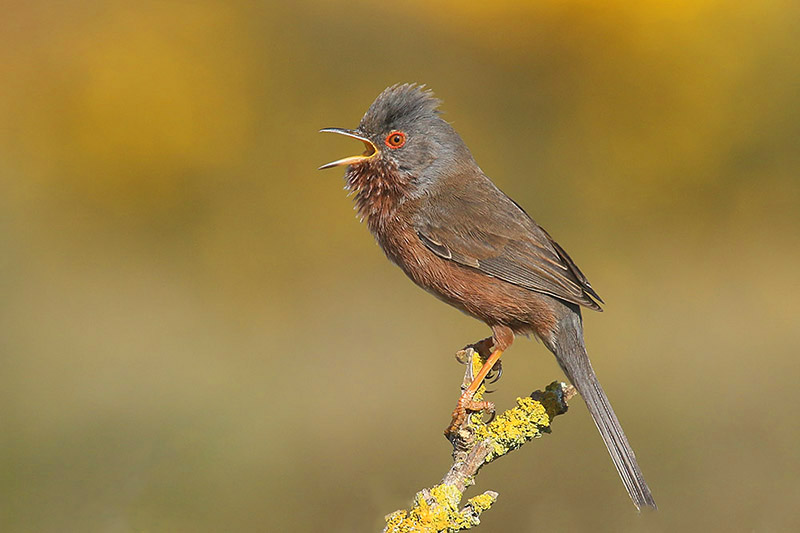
(196, 334)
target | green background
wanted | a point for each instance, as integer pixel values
(197, 335)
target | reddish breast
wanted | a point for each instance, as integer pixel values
(487, 298)
(382, 198)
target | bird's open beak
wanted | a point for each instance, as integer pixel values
(370, 152)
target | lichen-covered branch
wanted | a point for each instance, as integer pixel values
(475, 444)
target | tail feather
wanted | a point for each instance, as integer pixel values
(570, 351)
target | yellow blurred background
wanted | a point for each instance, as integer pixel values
(197, 335)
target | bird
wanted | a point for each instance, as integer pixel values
(454, 233)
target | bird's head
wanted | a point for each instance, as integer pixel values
(404, 135)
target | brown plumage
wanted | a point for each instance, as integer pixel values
(455, 234)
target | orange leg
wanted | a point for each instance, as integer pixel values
(503, 337)
(487, 366)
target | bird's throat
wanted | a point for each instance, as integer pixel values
(379, 189)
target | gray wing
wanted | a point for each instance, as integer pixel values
(488, 231)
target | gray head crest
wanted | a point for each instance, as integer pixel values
(399, 106)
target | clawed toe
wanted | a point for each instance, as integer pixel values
(495, 373)
(466, 404)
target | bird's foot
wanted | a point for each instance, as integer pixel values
(495, 373)
(484, 349)
(465, 405)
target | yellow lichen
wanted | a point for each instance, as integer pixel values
(395, 520)
(436, 509)
(482, 502)
(515, 427)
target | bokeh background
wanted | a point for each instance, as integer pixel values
(197, 335)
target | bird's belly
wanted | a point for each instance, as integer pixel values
(487, 298)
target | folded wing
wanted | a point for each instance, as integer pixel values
(491, 233)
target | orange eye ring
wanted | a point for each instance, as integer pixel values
(395, 140)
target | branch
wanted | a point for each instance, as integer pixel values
(475, 444)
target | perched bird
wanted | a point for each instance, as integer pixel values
(455, 234)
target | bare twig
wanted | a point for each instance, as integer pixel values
(475, 444)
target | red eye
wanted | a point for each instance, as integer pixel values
(395, 140)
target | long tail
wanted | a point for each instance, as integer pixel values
(570, 351)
